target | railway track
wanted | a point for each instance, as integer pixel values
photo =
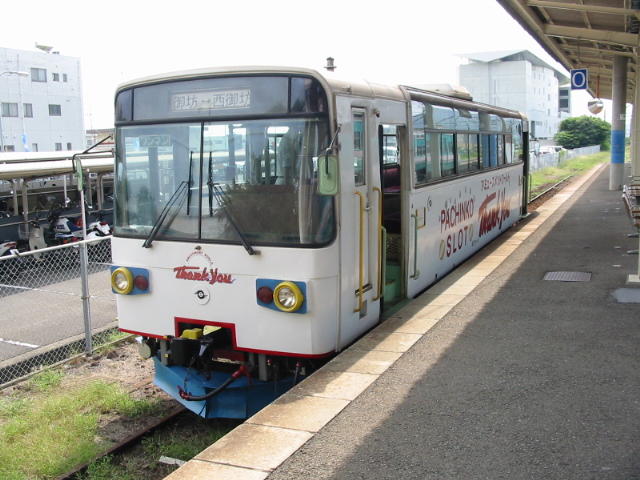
(129, 453)
(125, 445)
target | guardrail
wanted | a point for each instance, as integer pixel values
(56, 303)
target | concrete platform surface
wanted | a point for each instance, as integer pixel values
(495, 372)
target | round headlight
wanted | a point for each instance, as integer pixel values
(122, 280)
(288, 297)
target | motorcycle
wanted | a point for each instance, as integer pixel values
(59, 232)
(99, 251)
(64, 230)
(69, 225)
(5, 211)
(98, 228)
(10, 268)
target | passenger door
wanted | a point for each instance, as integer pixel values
(360, 218)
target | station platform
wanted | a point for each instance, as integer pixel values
(523, 363)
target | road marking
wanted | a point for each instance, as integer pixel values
(19, 344)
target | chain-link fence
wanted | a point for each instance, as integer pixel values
(544, 160)
(55, 303)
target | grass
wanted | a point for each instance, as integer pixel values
(46, 430)
(545, 178)
(181, 443)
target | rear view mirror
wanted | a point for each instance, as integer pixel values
(328, 175)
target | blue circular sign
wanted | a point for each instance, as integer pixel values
(579, 79)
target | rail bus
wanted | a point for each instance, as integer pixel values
(266, 217)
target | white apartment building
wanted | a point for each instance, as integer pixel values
(41, 100)
(520, 81)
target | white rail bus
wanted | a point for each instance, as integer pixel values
(265, 217)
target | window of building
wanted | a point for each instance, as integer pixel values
(69, 146)
(56, 77)
(55, 110)
(58, 147)
(34, 147)
(28, 110)
(38, 75)
(9, 109)
(9, 148)
(64, 77)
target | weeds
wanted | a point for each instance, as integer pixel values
(547, 177)
(188, 436)
(46, 430)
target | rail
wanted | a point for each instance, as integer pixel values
(552, 187)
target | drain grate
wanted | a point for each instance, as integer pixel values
(568, 276)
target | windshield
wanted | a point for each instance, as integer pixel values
(251, 182)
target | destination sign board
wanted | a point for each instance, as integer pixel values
(211, 100)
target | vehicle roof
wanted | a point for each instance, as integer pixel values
(336, 82)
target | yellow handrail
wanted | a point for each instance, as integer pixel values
(380, 246)
(416, 272)
(361, 255)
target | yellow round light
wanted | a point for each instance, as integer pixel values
(288, 297)
(122, 280)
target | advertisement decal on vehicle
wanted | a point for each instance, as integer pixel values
(198, 273)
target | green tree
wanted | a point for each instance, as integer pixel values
(584, 131)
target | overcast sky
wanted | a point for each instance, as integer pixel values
(395, 41)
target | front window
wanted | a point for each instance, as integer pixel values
(225, 181)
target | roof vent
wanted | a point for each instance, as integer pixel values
(330, 66)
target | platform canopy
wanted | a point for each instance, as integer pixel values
(31, 165)
(584, 34)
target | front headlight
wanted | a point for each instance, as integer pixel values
(288, 297)
(122, 280)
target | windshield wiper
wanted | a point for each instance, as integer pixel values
(182, 188)
(210, 184)
(190, 182)
(185, 184)
(221, 198)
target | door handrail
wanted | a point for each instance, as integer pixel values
(416, 272)
(380, 246)
(361, 253)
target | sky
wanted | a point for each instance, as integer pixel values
(393, 42)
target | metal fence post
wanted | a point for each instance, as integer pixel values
(86, 306)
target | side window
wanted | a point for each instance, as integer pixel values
(462, 139)
(420, 165)
(447, 154)
(359, 147)
(508, 149)
(390, 153)
(516, 129)
(491, 150)
(474, 152)
(390, 156)
(500, 145)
